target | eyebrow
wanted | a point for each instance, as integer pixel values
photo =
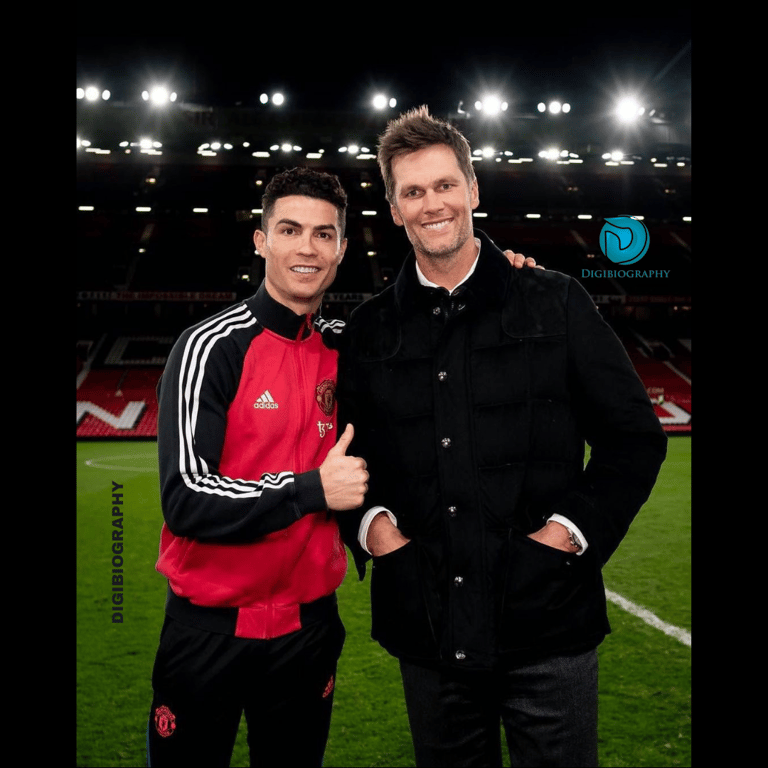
(437, 182)
(318, 228)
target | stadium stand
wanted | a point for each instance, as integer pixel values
(148, 265)
(118, 403)
(668, 385)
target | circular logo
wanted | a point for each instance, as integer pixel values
(165, 721)
(325, 396)
(624, 239)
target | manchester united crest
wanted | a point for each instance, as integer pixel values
(325, 394)
(165, 721)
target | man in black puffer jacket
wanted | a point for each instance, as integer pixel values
(474, 388)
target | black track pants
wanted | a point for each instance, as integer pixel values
(203, 682)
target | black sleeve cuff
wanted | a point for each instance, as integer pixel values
(309, 493)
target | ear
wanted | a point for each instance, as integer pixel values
(474, 195)
(396, 216)
(259, 240)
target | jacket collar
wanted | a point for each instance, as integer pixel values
(486, 286)
(277, 317)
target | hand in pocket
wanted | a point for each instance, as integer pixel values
(383, 536)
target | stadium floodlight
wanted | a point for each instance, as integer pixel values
(277, 98)
(491, 105)
(92, 93)
(554, 107)
(628, 110)
(380, 101)
(159, 95)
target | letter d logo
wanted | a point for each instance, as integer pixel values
(624, 240)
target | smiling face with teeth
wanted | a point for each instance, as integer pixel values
(434, 200)
(302, 247)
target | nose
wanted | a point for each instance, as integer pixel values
(307, 245)
(432, 201)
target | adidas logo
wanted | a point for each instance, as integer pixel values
(265, 401)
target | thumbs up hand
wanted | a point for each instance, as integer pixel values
(344, 478)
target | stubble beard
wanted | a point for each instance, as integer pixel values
(444, 255)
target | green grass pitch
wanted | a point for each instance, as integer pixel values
(645, 702)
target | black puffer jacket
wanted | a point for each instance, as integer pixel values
(472, 412)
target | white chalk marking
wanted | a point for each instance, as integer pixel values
(683, 635)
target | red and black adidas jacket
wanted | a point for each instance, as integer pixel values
(247, 414)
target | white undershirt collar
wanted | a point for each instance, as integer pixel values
(423, 280)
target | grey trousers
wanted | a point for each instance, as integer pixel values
(548, 710)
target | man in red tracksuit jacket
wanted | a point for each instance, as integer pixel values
(249, 480)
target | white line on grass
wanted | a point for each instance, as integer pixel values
(649, 618)
(150, 458)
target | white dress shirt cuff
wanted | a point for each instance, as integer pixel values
(362, 535)
(571, 527)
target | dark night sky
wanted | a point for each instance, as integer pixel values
(585, 59)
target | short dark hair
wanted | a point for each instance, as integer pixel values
(415, 130)
(305, 181)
